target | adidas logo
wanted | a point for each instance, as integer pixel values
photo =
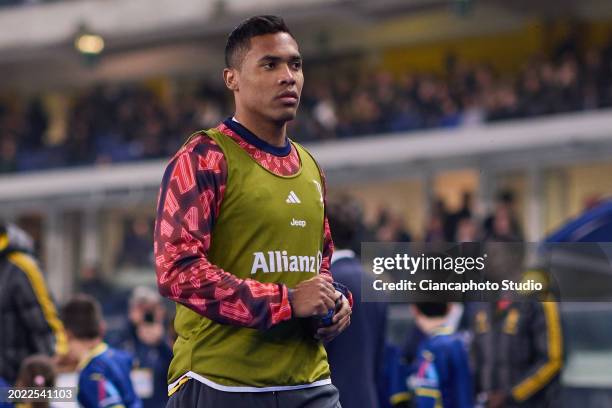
(293, 198)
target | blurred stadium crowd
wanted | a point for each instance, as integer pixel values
(124, 122)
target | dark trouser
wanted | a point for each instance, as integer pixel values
(194, 394)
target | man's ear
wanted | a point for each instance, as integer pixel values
(230, 76)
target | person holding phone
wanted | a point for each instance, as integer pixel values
(146, 339)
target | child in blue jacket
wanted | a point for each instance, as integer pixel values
(440, 376)
(104, 378)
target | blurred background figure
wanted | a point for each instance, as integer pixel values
(455, 218)
(503, 224)
(137, 248)
(112, 297)
(518, 353)
(92, 283)
(103, 372)
(36, 371)
(438, 226)
(28, 317)
(146, 339)
(391, 228)
(355, 356)
(467, 230)
(440, 374)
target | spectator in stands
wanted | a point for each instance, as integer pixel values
(137, 244)
(606, 75)
(504, 104)
(532, 92)
(453, 219)
(391, 228)
(503, 224)
(360, 348)
(28, 317)
(92, 283)
(324, 113)
(593, 80)
(145, 338)
(503, 229)
(8, 153)
(36, 126)
(130, 122)
(467, 230)
(112, 298)
(436, 229)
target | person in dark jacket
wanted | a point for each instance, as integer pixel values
(356, 356)
(28, 318)
(517, 348)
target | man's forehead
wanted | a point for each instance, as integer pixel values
(279, 45)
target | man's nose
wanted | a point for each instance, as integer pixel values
(287, 76)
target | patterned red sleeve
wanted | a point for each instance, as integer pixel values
(189, 201)
(328, 248)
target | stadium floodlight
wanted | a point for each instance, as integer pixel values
(88, 43)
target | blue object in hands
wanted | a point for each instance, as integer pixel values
(327, 319)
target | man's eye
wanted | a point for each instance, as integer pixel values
(269, 65)
(297, 65)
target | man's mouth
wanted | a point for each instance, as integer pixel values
(288, 97)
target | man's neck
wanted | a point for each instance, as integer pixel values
(273, 133)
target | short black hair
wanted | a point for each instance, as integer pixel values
(432, 309)
(239, 39)
(82, 317)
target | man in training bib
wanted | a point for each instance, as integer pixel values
(243, 247)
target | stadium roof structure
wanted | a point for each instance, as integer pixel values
(153, 37)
